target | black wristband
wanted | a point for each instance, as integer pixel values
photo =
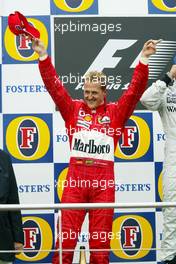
(166, 79)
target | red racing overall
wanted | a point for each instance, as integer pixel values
(93, 134)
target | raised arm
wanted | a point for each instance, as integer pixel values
(127, 102)
(152, 98)
(51, 80)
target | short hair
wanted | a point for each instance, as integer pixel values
(96, 77)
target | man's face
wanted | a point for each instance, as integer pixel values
(93, 94)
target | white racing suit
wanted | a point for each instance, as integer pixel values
(161, 96)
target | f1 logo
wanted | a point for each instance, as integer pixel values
(106, 59)
(106, 55)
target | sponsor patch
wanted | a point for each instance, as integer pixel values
(88, 118)
(104, 120)
(83, 124)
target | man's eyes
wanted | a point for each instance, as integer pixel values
(93, 93)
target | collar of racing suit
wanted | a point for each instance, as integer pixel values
(101, 108)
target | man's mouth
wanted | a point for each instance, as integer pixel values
(91, 101)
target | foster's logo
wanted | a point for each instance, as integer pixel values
(136, 237)
(17, 49)
(162, 6)
(28, 138)
(37, 236)
(74, 7)
(136, 142)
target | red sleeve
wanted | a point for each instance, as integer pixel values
(127, 102)
(56, 89)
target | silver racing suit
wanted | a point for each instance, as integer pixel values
(161, 97)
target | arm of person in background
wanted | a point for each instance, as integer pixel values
(127, 102)
(153, 97)
(54, 86)
(15, 216)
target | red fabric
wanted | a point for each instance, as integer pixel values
(100, 220)
(18, 24)
(117, 113)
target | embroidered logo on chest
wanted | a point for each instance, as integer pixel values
(84, 120)
(104, 120)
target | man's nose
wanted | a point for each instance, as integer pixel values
(90, 96)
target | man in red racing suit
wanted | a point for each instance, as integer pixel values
(94, 128)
